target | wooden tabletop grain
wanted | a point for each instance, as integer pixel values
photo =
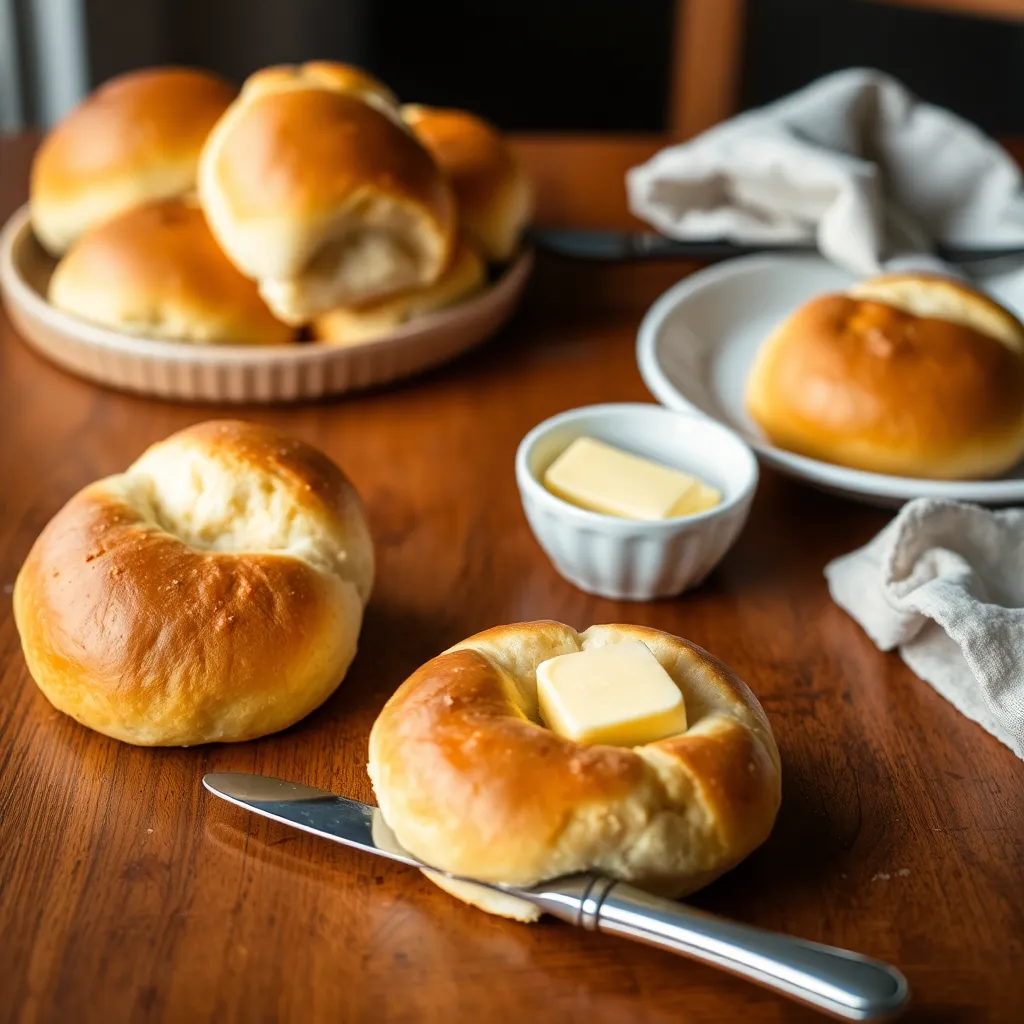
(128, 894)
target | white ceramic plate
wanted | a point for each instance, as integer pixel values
(696, 345)
(237, 373)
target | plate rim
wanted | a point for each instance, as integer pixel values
(823, 474)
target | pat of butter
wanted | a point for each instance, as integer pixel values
(617, 694)
(601, 478)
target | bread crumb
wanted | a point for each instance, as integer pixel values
(881, 876)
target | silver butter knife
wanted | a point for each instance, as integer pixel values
(844, 984)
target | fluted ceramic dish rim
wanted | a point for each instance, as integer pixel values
(532, 486)
(24, 298)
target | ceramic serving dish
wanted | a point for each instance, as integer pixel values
(237, 373)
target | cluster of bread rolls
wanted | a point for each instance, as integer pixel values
(309, 204)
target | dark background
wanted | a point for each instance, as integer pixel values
(555, 65)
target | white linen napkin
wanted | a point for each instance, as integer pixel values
(944, 583)
(853, 161)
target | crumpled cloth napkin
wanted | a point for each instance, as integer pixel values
(853, 161)
(944, 583)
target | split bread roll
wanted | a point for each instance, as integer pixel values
(472, 783)
(353, 325)
(212, 592)
(491, 188)
(908, 374)
(135, 139)
(157, 272)
(323, 198)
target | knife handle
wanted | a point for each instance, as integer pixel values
(652, 246)
(837, 981)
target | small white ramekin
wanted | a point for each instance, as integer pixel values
(629, 559)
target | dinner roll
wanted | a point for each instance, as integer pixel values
(472, 783)
(907, 374)
(493, 193)
(156, 271)
(212, 592)
(324, 199)
(324, 74)
(353, 325)
(135, 139)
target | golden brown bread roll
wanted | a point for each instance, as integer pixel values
(157, 272)
(212, 592)
(324, 199)
(472, 783)
(492, 190)
(135, 139)
(328, 74)
(353, 325)
(907, 374)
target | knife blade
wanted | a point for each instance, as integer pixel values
(629, 246)
(841, 983)
(313, 810)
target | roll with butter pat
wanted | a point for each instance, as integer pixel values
(531, 751)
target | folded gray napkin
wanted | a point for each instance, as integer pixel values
(853, 161)
(944, 583)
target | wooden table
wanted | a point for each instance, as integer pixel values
(128, 894)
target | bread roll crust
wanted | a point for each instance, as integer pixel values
(346, 145)
(213, 592)
(346, 78)
(863, 383)
(157, 271)
(492, 191)
(135, 139)
(941, 298)
(472, 783)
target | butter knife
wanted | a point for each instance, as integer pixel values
(629, 246)
(845, 984)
